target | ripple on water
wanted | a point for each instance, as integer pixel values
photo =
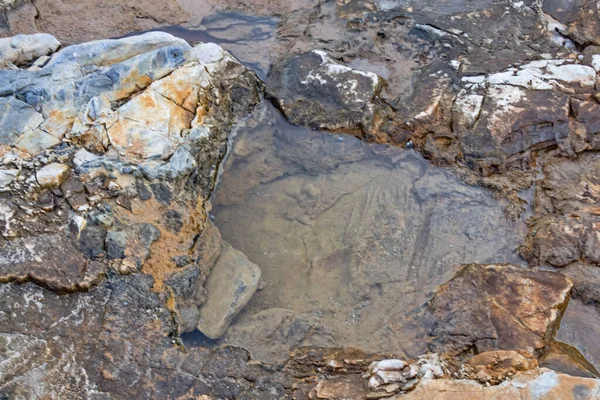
(243, 35)
(351, 238)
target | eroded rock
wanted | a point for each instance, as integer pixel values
(315, 90)
(516, 309)
(22, 49)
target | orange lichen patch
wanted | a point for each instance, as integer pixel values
(4, 150)
(170, 244)
(180, 119)
(182, 85)
(129, 85)
(59, 122)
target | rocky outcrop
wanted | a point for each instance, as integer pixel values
(113, 147)
(566, 228)
(23, 49)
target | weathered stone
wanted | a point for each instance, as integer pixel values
(497, 366)
(16, 117)
(35, 141)
(52, 175)
(22, 49)
(566, 226)
(115, 244)
(49, 260)
(545, 384)
(230, 285)
(271, 334)
(315, 90)
(515, 309)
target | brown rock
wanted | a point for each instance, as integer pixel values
(497, 307)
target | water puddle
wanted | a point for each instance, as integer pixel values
(580, 328)
(247, 37)
(350, 237)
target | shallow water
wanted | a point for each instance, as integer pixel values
(243, 35)
(351, 238)
(580, 328)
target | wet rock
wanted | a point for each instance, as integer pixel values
(503, 317)
(315, 90)
(272, 334)
(121, 18)
(579, 328)
(230, 285)
(23, 49)
(368, 232)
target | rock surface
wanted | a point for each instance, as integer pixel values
(22, 49)
(315, 90)
(105, 266)
(516, 309)
(537, 385)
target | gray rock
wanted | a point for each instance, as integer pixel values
(115, 243)
(315, 90)
(7, 176)
(16, 117)
(111, 51)
(230, 285)
(22, 49)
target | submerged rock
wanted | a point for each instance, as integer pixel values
(230, 285)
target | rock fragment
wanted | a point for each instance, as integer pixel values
(22, 49)
(52, 175)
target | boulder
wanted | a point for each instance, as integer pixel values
(491, 307)
(23, 49)
(315, 90)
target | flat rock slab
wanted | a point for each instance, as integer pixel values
(497, 307)
(230, 285)
(315, 90)
(357, 235)
(49, 260)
